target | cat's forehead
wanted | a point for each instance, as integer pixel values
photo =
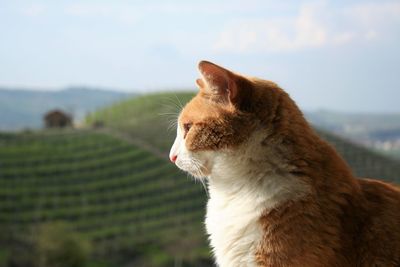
(198, 109)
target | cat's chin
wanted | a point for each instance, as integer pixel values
(197, 168)
(200, 177)
(196, 174)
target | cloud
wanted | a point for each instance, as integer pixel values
(89, 10)
(33, 10)
(373, 13)
(315, 25)
(275, 34)
(117, 12)
(375, 20)
(123, 10)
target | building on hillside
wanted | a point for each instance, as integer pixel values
(57, 119)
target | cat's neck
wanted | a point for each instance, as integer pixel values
(251, 174)
(243, 187)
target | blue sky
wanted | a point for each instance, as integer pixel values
(340, 55)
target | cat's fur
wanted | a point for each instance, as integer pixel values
(279, 195)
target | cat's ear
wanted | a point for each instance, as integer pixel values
(220, 83)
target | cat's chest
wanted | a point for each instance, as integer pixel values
(232, 223)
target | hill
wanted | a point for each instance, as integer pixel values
(147, 117)
(378, 131)
(119, 197)
(357, 124)
(21, 109)
(114, 188)
(150, 118)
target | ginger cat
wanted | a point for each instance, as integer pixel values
(279, 195)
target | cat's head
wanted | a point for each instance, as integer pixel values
(222, 116)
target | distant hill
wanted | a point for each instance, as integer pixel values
(147, 118)
(378, 131)
(356, 124)
(21, 109)
(116, 187)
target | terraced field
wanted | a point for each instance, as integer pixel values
(107, 189)
(115, 187)
(148, 118)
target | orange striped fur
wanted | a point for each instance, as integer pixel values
(279, 195)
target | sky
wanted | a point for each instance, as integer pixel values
(342, 55)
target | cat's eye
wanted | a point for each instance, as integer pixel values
(186, 127)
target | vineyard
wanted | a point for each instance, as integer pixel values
(143, 117)
(108, 190)
(150, 118)
(112, 189)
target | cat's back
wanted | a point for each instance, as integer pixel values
(382, 199)
(380, 239)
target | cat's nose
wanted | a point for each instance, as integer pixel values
(173, 158)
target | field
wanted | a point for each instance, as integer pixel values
(108, 195)
(117, 196)
(149, 118)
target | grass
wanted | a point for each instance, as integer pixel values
(150, 118)
(118, 194)
(107, 189)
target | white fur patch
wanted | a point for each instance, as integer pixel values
(195, 164)
(242, 186)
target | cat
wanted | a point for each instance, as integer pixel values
(278, 194)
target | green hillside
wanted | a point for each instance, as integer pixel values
(150, 117)
(365, 162)
(109, 196)
(119, 197)
(144, 117)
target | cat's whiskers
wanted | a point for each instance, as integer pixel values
(179, 102)
(172, 113)
(172, 119)
(168, 114)
(172, 124)
(198, 173)
(193, 165)
(198, 165)
(204, 186)
(176, 106)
